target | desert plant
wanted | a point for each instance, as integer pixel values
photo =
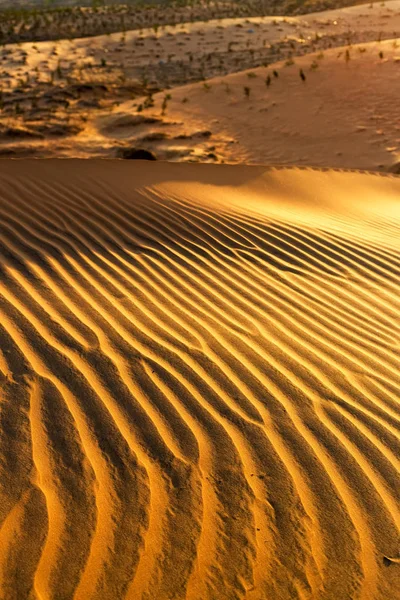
(149, 102)
(164, 104)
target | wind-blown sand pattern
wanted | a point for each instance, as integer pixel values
(199, 382)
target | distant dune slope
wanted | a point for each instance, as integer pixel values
(199, 375)
(320, 109)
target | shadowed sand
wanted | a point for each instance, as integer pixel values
(199, 374)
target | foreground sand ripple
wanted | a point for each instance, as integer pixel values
(199, 375)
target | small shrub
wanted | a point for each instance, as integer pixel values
(164, 104)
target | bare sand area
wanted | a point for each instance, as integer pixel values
(334, 108)
(199, 382)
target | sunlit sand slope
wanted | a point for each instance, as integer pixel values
(199, 382)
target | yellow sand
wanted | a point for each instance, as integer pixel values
(199, 374)
(343, 115)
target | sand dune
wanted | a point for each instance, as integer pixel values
(348, 93)
(199, 382)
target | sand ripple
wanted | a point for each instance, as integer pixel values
(199, 375)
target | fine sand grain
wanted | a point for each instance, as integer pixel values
(199, 382)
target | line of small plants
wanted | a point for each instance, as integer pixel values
(55, 22)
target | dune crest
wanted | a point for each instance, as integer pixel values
(199, 375)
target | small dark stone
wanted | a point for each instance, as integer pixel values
(136, 154)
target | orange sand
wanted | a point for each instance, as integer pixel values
(199, 374)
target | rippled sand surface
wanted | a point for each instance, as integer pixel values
(199, 382)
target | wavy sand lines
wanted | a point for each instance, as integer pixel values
(199, 377)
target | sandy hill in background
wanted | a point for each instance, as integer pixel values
(333, 108)
(65, 19)
(199, 376)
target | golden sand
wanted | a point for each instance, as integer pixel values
(199, 375)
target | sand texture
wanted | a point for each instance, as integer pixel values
(206, 91)
(270, 115)
(199, 382)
